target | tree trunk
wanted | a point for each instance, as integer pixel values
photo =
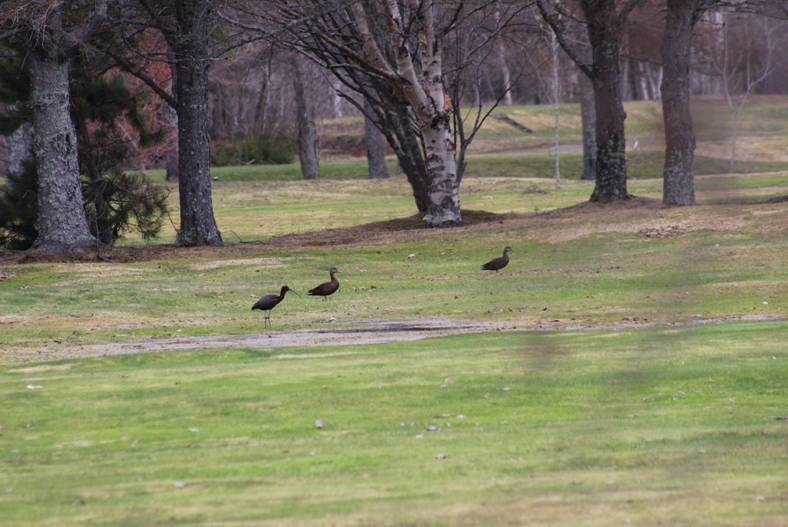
(171, 165)
(308, 146)
(604, 32)
(557, 108)
(376, 147)
(588, 118)
(62, 225)
(444, 192)
(20, 148)
(102, 228)
(500, 50)
(678, 188)
(198, 226)
(405, 142)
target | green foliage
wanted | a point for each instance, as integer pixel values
(19, 209)
(132, 203)
(276, 150)
(14, 94)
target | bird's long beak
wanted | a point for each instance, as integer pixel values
(294, 292)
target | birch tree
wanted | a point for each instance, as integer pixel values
(392, 53)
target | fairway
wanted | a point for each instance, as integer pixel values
(635, 371)
(647, 426)
(628, 366)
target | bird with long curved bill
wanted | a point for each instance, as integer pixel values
(496, 264)
(268, 302)
(327, 289)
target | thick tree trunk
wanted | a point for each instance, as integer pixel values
(679, 188)
(376, 147)
(604, 32)
(198, 226)
(588, 119)
(62, 225)
(444, 192)
(308, 146)
(407, 147)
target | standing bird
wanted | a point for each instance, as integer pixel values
(327, 289)
(268, 302)
(496, 264)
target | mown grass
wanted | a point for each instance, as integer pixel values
(598, 266)
(763, 117)
(609, 406)
(650, 426)
(641, 164)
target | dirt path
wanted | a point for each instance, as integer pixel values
(368, 332)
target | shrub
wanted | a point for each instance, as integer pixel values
(131, 203)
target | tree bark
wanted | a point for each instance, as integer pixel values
(20, 143)
(190, 46)
(407, 147)
(588, 119)
(376, 147)
(308, 145)
(62, 225)
(604, 32)
(444, 195)
(678, 177)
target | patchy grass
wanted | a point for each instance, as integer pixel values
(649, 426)
(587, 265)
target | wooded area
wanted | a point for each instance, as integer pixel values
(393, 262)
(425, 75)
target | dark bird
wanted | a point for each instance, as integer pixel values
(268, 302)
(327, 289)
(496, 264)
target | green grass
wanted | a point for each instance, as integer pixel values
(593, 268)
(649, 426)
(642, 165)
(611, 405)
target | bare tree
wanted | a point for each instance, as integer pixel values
(588, 122)
(376, 146)
(678, 177)
(746, 61)
(604, 21)
(392, 53)
(308, 146)
(557, 109)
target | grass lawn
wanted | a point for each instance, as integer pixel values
(637, 373)
(645, 426)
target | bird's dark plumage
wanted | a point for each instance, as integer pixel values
(268, 302)
(327, 288)
(499, 263)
